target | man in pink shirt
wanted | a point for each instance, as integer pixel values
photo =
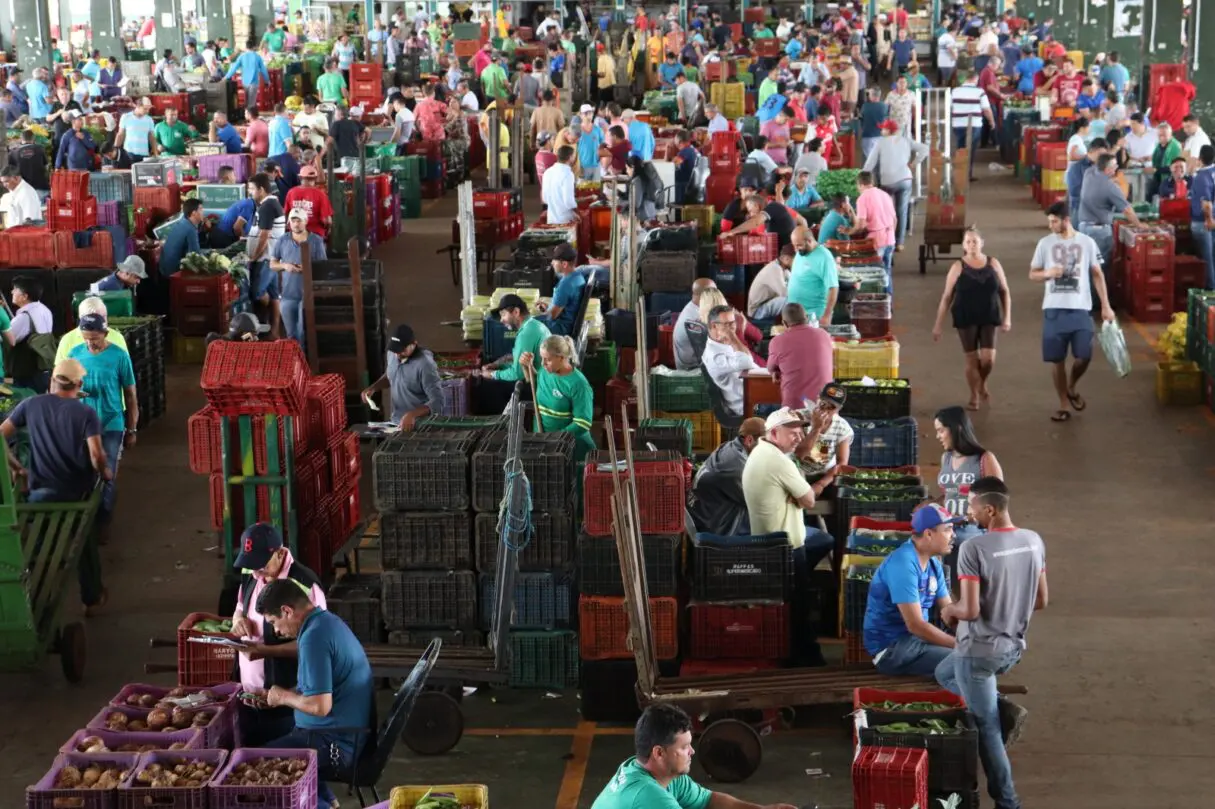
(875, 219)
(800, 358)
(481, 60)
(267, 660)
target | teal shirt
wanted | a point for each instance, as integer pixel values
(531, 334)
(330, 86)
(813, 276)
(107, 376)
(828, 229)
(632, 787)
(565, 403)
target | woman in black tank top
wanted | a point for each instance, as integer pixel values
(976, 294)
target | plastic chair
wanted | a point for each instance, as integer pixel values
(728, 421)
(698, 336)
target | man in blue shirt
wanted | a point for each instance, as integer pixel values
(286, 257)
(233, 224)
(253, 72)
(667, 72)
(39, 94)
(685, 168)
(1202, 217)
(1090, 97)
(559, 315)
(223, 132)
(640, 136)
(1026, 69)
(903, 49)
(136, 132)
(334, 689)
(19, 96)
(76, 147)
(280, 132)
(129, 273)
(1074, 178)
(182, 237)
(1114, 73)
(904, 588)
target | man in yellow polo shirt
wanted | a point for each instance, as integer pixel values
(88, 306)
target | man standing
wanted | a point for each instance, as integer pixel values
(269, 224)
(891, 159)
(29, 338)
(279, 135)
(1069, 263)
(726, 357)
(24, 203)
(689, 98)
(875, 218)
(947, 56)
(286, 257)
(312, 201)
(253, 72)
(718, 505)
(800, 358)
(1074, 176)
(559, 316)
(814, 282)
(330, 84)
(547, 117)
(605, 67)
(109, 385)
(557, 189)
(412, 377)
(717, 121)
(1166, 151)
(1202, 217)
(182, 238)
(493, 79)
(530, 332)
(1195, 139)
(1100, 199)
(970, 107)
(640, 135)
(137, 133)
(686, 357)
(1003, 582)
(904, 589)
(172, 134)
(129, 273)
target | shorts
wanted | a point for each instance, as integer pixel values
(1063, 329)
(263, 281)
(977, 337)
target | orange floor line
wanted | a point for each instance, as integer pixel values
(575, 767)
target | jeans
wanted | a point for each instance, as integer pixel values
(1103, 235)
(38, 383)
(887, 255)
(901, 194)
(910, 656)
(111, 441)
(293, 319)
(867, 145)
(1204, 247)
(974, 680)
(770, 309)
(805, 636)
(333, 759)
(88, 569)
(960, 138)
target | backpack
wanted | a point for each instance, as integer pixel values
(34, 354)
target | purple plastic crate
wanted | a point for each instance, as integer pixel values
(133, 795)
(300, 795)
(43, 795)
(216, 734)
(209, 166)
(110, 213)
(192, 738)
(223, 693)
(455, 396)
(98, 721)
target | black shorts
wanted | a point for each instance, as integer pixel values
(977, 337)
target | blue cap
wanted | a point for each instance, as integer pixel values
(930, 516)
(92, 323)
(258, 544)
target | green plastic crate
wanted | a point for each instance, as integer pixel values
(748, 125)
(544, 659)
(120, 303)
(141, 55)
(466, 30)
(601, 366)
(221, 197)
(380, 151)
(679, 391)
(673, 434)
(407, 167)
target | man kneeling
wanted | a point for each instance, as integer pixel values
(904, 588)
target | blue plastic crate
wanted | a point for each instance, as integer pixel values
(118, 235)
(662, 302)
(542, 600)
(884, 444)
(731, 279)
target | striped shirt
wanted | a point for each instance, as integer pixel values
(968, 105)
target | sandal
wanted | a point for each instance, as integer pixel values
(1077, 401)
(1061, 415)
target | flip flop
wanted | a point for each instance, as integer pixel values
(1061, 415)
(1077, 401)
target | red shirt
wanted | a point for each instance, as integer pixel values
(258, 137)
(832, 102)
(802, 358)
(620, 155)
(900, 21)
(315, 203)
(1068, 89)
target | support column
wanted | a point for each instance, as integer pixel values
(33, 24)
(105, 18)
(169, 33)
(65, 21)
(6, 23)
(683, 14)
(262, 14)
(218, 14)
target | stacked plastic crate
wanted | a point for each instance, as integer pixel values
(1148, 254)
(498, 214)
(72, 232)
(200, 304)
(145, 344)
(383, 207)
(609, 671)
(157, 188)
(1200, 338)
(868, 542)
(366, 84)
(434, 170)
(408, 170)
(724, 163)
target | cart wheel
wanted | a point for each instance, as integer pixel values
(923, 259)
(730, 751)
(435, 724)
(73, 651)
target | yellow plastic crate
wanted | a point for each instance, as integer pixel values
(189, 350)
(878, 359)
(706, 432)
(702, 215)
(1077, 58)
(1178, 383)
(730, 98)
(1054, 180)
(407, 797)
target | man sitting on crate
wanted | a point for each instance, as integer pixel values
(904, 589)
(718, 505)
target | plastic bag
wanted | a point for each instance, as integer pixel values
(1113, 345)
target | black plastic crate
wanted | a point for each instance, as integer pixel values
(423, 471)
(674, 434)
(672, 238)
(880, 401)
(439, 599)
(892, 505)
(551, 546)
(516, 277)
(884, 443)
(599, 565)
(953, 761)
(856, 596)
(667, 272)
(543, 600)
(355, 598)
(420, 638)
(620, 327)
(479, 426)
(418, 540)
(547, 460)
(737, 568)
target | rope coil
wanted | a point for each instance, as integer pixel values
(518, 524)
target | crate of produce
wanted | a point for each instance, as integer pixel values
(547, 460)
(661, 493)
(158, 780)
(666, 272)
(952, 747)
(603, 628)
(882, 444)
(298, 794)
(882, 502)
(884, 707)
(550, 546)
(599, 565)
(62, 785)
(213, 721)
(877, 358)
(859, 476)
(78, 214)
(757, 630)
(203, 664)
(421, 598)
(242, 378)
(145, 695)
(665, 433)
(542, 600)
(92, 740)
(679, 391)
(889, 777)
(423, 471)
(857, 579)
(881, 399)
(469, 796)
(860, 545)
(425, 540)
(743, 568)
(27, 247)
(355, 598)
(87, 249)
(1179, 383)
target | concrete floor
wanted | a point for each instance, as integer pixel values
(1120, 668)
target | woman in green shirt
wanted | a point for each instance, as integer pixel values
(563, 396)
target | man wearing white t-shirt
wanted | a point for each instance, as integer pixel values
(947, 56)
(1069, 263)
(403, 120)
(1140, 141)
(1195, 139)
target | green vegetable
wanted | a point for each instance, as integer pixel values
(839, 181)
(925, 727)
(891, 705)
(862, 574)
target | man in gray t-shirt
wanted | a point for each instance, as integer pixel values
(1003, 581)
(1100, 200)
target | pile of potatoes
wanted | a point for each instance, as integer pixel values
(267, 772)
(181, 773)
(165, 717)
(95, 776)
(138, 700)
(94, 744)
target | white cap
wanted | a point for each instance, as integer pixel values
(783, 417)
(586, 108)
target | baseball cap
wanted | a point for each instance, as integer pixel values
(565, 252)
(783, 417)
(308, 171)
(543, 138)
(585, 108)
(69, 372)
(93, 323)
(401, 338)
(509, 302)
(834, 393)
(269, 166)
(257, 544)
(298, 213)
(930, 516)
(244, 324)
(134, 265)
(889, 125)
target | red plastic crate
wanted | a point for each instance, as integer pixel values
(161, 201)
(199, 321)
(719, 71)
(326, 414)
(1157, 280)
(1175, 210)
(753, 631)
(366, 70)
(345, 462)
(1153, 251)
(724, 143)
(603, 628)
(432, 189)
(216, 492)
(78, 215)
(206, 442)
(69, 186)
(312, 481)
(429, 149)
(1188, 272)
(491, 204)
(99, 254)
(724, 165)
(27, 247)
(748, 248)
(351, 509)
(191, 289)
(261, 455)
(202, 664)
(255, 378)
(890, 778)
(719, 190)
(1150, 306)
(660, 495)
(768, 48)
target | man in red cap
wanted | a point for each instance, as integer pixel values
(312, 201)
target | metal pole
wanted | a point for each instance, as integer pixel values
(493, 158)
(468, 241)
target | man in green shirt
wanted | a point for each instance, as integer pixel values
(530, 333)
(172, 133)
(657, 778)
(493, 79)
(274, 38)
(1168, 149)
(768, 86)
(331, 85)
